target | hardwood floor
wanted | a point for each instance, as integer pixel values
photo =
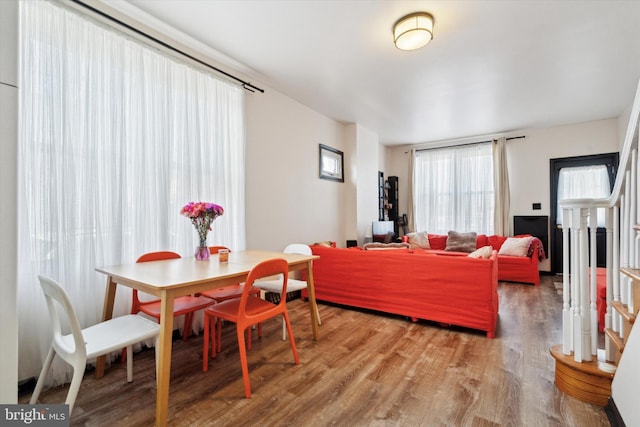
(368, 369)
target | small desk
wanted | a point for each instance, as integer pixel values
(168, 279)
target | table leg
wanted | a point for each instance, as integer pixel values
(164, 359)
(312, 302)
(107, 313)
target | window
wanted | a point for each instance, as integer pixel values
(584, 182)
(115, 138)
(453, 189)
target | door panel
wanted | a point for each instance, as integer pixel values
(611, 161)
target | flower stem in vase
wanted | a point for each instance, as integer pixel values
(202, 251)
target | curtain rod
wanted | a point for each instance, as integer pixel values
(471, 143)
(245, 85)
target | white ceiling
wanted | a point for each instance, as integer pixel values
(493, 67)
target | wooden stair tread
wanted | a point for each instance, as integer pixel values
(590, 368)
(634, 273)
(616, 340)
(624, 312)
(582, 380)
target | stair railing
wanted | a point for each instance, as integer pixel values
(579, 314)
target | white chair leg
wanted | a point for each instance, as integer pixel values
(129, 363)
(284, 325)
(74, 388)
(43, 374)
(284, 329)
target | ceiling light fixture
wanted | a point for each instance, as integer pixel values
(413, 31)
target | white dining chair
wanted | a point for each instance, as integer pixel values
(84, 344)
(293, 285)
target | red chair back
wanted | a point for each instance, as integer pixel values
(149, 256)
(271, 267)
(156, 256)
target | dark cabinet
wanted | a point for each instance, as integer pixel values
(380, 196)
(392, 201)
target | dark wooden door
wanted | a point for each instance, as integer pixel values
(611, 161)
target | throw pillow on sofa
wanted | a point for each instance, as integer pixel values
(438, 241)
(515, 246)
(419, 240)
(461, 242)
(484, 252)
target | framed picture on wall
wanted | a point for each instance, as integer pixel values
(331, 163)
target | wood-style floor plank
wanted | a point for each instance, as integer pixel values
(368, 369)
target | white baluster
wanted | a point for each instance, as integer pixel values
(585, 323)
(593, 285)
(576, 274)
(633, 200)
(567, 328)
(609, 350)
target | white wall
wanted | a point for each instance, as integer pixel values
(367, 151)
(529, 158)
(286, 201)
(528, 161)
(8, 196)
(350, 195)
(397, 164)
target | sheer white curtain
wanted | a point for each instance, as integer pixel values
(584, 182)
(453, 189)
(115, 138)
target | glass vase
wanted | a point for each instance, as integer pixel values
(202, 251)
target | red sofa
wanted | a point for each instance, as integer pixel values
(510, 268)
(448, 289)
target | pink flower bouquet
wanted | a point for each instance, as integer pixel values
(202, 214)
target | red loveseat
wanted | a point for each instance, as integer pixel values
(523, 269)
(448, 289)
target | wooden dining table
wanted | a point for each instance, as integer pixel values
(168, 279)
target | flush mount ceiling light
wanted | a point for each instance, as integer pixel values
(413, 31)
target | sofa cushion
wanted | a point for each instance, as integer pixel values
(461, 242)
(484, 252)
(419, 239)
(481, 241)
(515, 246)
(496, 241)
(438, 241)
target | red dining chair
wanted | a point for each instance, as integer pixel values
(247, 311)
(185, 305)
(226, 293)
